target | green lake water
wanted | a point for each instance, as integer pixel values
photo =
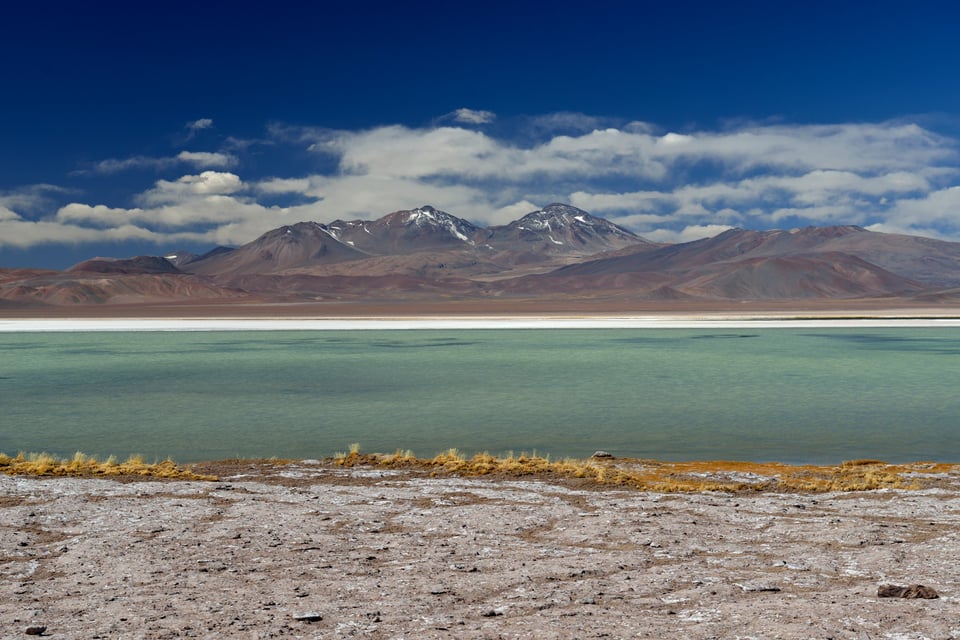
(792, 395)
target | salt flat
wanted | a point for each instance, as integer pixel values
(458, 323)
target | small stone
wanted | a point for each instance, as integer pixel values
(759, 588)
(35, 630)
(602, 454)
(308, 617)
(913, 592)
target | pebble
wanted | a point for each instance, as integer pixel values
(311, 616)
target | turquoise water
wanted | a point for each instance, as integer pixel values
(793, 395)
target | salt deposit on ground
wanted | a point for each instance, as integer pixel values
(453, 323)
(317, 551)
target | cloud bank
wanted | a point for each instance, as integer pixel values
(666, 185)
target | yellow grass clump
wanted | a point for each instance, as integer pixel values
(665, 477)
(45, 464)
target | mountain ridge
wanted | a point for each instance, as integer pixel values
(557, 252)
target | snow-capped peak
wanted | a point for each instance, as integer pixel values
(562, 223)
(554, 217)
(427, 216)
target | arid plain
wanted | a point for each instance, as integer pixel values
(313, 550)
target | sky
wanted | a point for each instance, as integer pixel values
(139, 129)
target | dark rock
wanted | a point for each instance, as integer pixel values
(602, 454)
(759, 588)
(35, 630)
(914, 591)
(308, 617)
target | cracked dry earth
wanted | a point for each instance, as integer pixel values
(315, 551)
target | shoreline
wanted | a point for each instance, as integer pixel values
(390, 323)
(601, 471)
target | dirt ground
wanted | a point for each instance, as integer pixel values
(311, 550)
(517, 308)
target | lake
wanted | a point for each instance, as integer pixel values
(809, 394)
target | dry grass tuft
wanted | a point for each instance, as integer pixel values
(665, 477)
(44, 464)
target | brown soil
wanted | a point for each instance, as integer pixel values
(566, 307)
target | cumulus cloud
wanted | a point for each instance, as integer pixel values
(23, 234)
(666, 185)
(205, 184)
(938, 209)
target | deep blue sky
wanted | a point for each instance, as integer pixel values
(793, 113)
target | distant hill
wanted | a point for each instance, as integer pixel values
(558, 252)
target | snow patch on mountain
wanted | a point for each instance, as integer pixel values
(427, 216)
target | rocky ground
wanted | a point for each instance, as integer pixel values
(316, 551)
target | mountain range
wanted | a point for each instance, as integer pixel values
(558, 253)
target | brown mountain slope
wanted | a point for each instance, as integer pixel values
(825, 275)
(87, 288)
(288, 247)
(421, 243)
(933, 262)
(128, 266)
(555, 253)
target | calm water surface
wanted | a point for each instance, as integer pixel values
(808, 395)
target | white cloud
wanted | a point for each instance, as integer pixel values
(99, 215)
(116, 165)
(937, 209)
(193, 128)
(569, 123)
(283, 185)
(226, 220)
(472, 116)
(202, 159)
(30, 198)
(510, 212)
(200, 124)
(199, 159)
(687, 234)
(669, 186)
(395, 152)
(24, 234)
(204, 184)
(601, 203)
